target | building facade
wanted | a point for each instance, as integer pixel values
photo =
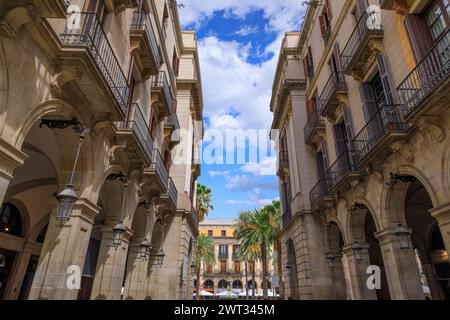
(119, 82)
(229, 271)
(360, 99)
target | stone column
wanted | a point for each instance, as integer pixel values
(111, 262)
(10, 160)
(442, 216)
(136, 273)
(63, 252)
(230, 257)
(357, 271)
(216, 255)
(401, 268)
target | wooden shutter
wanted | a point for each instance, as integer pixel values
(348, 127)
(361, 8)
(419, 35)
(368, 100)
(383, 69)
(305, 66)
(309, 107)
(323, 24)
(328, 9)
(339, 140)
(325, 154)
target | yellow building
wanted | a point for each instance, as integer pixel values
(229, 271)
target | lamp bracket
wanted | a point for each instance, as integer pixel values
(64, 124)
(395, 178)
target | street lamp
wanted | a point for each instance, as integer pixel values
(68, 197)
(119, 229)
(159, 257)
(193, 266)
(330, 260)
(144, 249)
(402, 236)
(357, 251)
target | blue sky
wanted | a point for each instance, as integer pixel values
(239, 42)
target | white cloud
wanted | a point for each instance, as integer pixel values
(218, 173)
(262, 168)
(246, 30)
(245, 182)
(254, 199)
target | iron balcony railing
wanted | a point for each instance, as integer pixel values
(429, 73)
(284, 159)
(173, 192)
(136, 122)
(141, 22)
(319, 191)
(310, 71)
(336, 83)
(315, 122)
(358, 39)
(159, 167)
(385, 121)
(223, 254)
(160, 81)
(92, 36)
(172, 121)
(343, 165)
(326, 35)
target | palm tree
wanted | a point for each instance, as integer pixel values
(204, 250)
(204, 202)
(274, 208)
(251, 253)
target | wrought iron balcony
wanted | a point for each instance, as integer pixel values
(343, 170)
(223, 255)
(314, 128)
(427, 86)
(326, 36)
(159, 171)
(160, 85)
(138, 126)
(361, 46)
(372, 142)
(149, 57)
(171, 122)
(335, 88)
(319, 195)
(173, 193)
(93, 40)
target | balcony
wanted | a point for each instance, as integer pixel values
(342, 172)
(172, 194)
(286, 217)
(326, 36)
(395, 4)
(319, 196)
(363, 45)
(147, 54)
(158, 172)
(135, 126)
(334, 91)
(426, 89)
(91, 43)
(314, 129)
(283, 164)
(223, 255)
(373, 141)
(161, 87)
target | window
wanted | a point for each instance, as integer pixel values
(209, 268)
(308, 64)
(437, 17)
(325, 21)
(175, 63)
(223, 266)
(223, 233)
(210, 233)
(236, 250)
(237, 266)
(251, 266)
(10, 220)
(223, 250)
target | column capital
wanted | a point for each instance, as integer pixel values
(442, 214)
(10, 159)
